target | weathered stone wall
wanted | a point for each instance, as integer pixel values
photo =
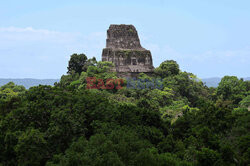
(122, 37)
(129, 60)
(125, 51)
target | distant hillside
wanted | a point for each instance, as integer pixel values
(28, 82)
(211, 82)
(248, 78)
(214, 81)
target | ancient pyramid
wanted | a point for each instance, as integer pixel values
(123, 48)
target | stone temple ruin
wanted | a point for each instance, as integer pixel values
(123, 48)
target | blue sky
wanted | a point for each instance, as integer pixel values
(208, 38)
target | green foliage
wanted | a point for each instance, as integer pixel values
(15, 88)
(175, 110)
(167, 68)
(11, 90)
(188, 86)
(117, 148)
(66, 80)
(184, 123)
(245, 102)
(231, 88)
(77, 63)
(31, 147)
(101, 70)
(207, 157)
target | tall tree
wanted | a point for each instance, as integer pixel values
(167, 68)
(77, 63)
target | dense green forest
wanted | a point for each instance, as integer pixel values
(180, 124)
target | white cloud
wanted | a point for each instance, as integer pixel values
(242, 54)
(166, 52)
(27, 29)
(44, 52)
(11, 34)
(205, 64)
